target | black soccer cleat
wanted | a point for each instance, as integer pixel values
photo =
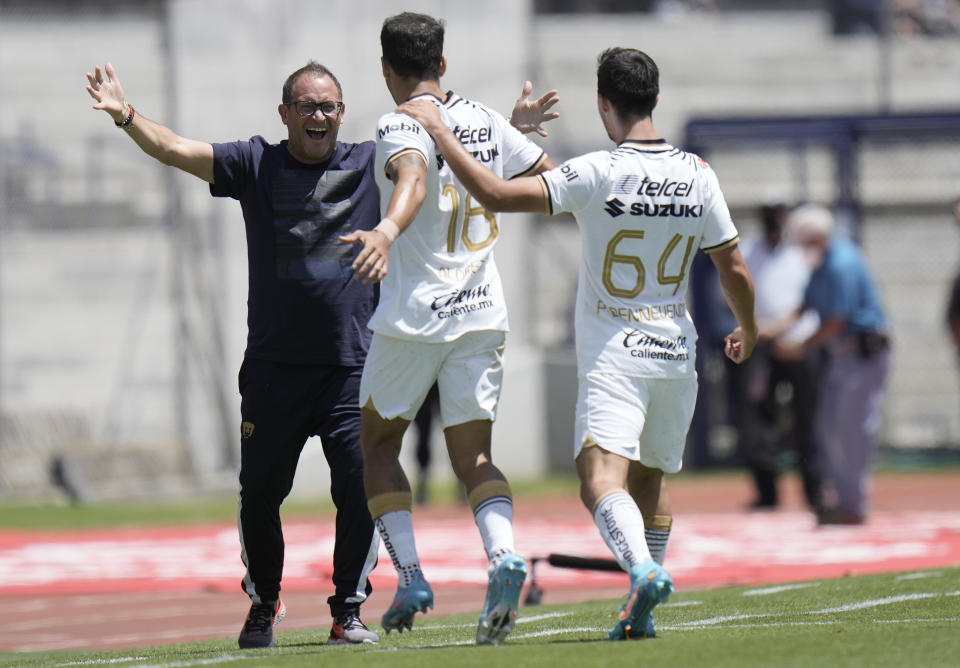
(257, 631)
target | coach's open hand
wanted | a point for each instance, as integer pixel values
(104, 87)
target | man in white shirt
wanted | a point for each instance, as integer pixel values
(780, 275)
(441, 318)
(644, 208)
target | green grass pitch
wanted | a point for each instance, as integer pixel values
(896, 619)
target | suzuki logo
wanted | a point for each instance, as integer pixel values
(614, 207)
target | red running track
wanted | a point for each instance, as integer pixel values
(143, 586)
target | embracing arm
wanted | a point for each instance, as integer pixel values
(737, 287)
(496, 194)
(158, 141)
(409, 175)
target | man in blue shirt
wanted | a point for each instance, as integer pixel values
(307, 325)
(852, 335)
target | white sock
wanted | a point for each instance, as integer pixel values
(657, 543)
(494, 518)
(396, 532)
(621, 526)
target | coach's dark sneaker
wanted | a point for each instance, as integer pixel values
(257, 631)
(347, 628)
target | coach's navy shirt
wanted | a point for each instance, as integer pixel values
(303, 305)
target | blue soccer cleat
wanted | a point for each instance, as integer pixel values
(408, 601)
(650, 631)
(503, 600)
(650, 585)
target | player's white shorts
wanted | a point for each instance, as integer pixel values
(468, 370)
(642, 419)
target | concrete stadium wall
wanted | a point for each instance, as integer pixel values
(229, 60)
(88, 331)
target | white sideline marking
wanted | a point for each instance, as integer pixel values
(713, 621)
(766, 591)
(918, 619)
(556, 632)
(97, 662)
(181, 664)
(920, 575)
(452, 643)
(680, 604)
(546, 615)
(532, 634)
(712, 624)
(776, 624)
(872, 603)
(203, 662)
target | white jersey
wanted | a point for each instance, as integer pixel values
(644, 209)
(442, 280)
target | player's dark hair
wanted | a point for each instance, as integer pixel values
(313, 68)
(629, 79)
(413, 44)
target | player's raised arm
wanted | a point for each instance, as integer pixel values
(737, 287)
(495, 193)
(158, 141)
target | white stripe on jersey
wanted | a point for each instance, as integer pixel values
(644, 209)
(442, 281)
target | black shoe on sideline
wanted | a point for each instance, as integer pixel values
(348, 629)
(257, 631)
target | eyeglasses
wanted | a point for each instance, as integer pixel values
(309, 107)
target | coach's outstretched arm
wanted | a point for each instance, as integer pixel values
(737, 287)
(194, 157)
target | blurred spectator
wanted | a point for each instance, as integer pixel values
(953, 305)
(857, 17)
(776, 393)
(903, 17)
(852, 335)
(424, 422)
(926, 17)
(679, 8)
(591, 6)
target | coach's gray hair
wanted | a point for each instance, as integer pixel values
(314, 68)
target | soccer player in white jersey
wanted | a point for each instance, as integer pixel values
(441, 318)
(644, 209)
